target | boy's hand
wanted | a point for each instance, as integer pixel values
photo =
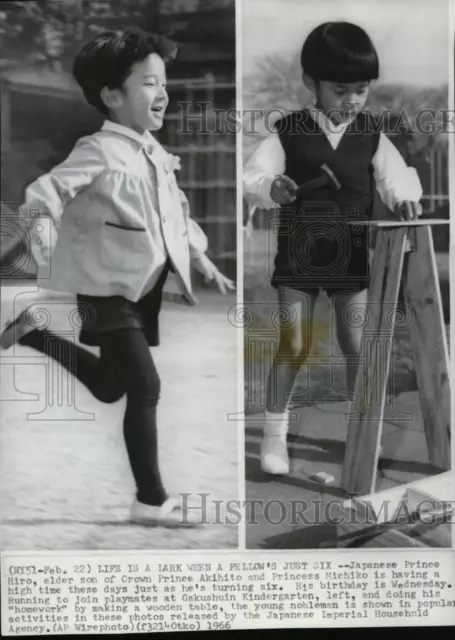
(283, 190)
(408, 210)
(205, 266)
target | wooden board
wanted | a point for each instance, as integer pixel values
(364, 431)
(429, 345)
(382, 508)
(399, 223)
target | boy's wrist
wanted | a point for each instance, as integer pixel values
(196, 254)
(266, 191)
(273, 180)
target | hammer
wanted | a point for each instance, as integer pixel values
(326, 178)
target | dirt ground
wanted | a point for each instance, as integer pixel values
(65, 482)
(318, 432)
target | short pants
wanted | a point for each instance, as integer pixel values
(307, 262)
(100, 314)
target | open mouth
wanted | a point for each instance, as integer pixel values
(158, 110)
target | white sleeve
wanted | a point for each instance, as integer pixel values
(395, 181)
(46, 197)
(49, 194)
(266, 163)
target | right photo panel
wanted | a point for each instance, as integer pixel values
(346, 274)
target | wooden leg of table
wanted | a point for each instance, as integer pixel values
(429, 345)
(364, 431)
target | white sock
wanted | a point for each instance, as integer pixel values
(276, 424)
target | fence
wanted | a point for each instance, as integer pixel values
(437, 194)
(39, 126)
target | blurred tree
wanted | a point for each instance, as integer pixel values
(49, 32)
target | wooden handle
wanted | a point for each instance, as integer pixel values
(312, 184)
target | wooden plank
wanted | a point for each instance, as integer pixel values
(365, 426)
(433, 536)
(441, 485)
(359, 526)
(385, 506)
(429, 346)
(399, 223)
(395, 539)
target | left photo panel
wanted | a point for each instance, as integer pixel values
(118, 364)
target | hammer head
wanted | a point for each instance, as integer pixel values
(332, 180)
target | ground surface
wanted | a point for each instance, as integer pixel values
(66, 483)
(318, 432)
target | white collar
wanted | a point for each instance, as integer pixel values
(143, 139)
(327, 126)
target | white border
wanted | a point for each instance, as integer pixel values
(451, 168)
(240, 332)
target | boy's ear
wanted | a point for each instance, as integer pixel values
(309, 83)
(111, 97)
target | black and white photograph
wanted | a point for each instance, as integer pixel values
(118, 269)
(346, 273)
(225, 315)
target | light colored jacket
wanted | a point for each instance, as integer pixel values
(104, 221)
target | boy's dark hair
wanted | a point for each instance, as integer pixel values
(106, 60)
(339, 52)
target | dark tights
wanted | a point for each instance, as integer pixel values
(125, 365)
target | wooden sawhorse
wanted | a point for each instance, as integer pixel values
(404, 254)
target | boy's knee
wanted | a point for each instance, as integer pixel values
(147, 387)
(294, 347)
(110, 396)
(350, 343)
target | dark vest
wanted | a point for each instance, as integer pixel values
(306, 148)
(311, 230)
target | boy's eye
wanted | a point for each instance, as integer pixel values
(154, 84)
(359, 92)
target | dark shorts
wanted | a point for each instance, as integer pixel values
(101, 314)
(308, 262)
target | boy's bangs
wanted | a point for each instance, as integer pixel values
(339, 52)
(343, 69)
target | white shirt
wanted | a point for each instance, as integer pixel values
(104, 221)
(395, 181)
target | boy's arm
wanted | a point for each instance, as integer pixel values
(46, 197)
(395, 181)
(198, 245)
(51, 192)
(266, 163)
(197, 239)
